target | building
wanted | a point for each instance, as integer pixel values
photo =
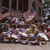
(18, 7)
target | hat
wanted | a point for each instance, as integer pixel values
(34, 25)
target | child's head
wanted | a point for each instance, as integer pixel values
(6, 26)
(45, 25)
(14, 27)
(41, 28)
(20, 19)
(24, 26)
(12, 15)
(32, 27)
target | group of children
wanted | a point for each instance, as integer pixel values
(17, 31)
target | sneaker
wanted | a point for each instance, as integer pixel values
(40, 44)
(35, 41)
(29, 43)
(27, 40)
(18, 40)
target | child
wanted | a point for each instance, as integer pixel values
(23, 33)
(14, 33)
(47, 30)
(1, 30)
(41, 35)
(5, 32)
(32, 33)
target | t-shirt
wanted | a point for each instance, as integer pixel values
(24, 30)
(33, 31)
(14, 31)
(21, 23)
(40, 31)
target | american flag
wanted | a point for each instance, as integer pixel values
(28, 15)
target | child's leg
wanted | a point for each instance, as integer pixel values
(18, 39)
(9, 38)
(29, 39)
(39, 40)
(45, 42)
(45, 38)
(14, 40)
(2, 37)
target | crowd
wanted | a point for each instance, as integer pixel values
(17, 30)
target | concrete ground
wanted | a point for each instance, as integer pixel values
(11, 46)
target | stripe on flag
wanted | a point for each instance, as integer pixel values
(28, 15)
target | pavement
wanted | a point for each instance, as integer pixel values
(12, 46)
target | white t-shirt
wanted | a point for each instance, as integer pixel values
(16, 19)
(24, 30)
(21, 23)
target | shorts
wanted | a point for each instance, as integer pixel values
(23, 34)
(4, 33)
(15, 36)
(34, 36)
(8, 34)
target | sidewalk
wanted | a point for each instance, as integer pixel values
(12, 46)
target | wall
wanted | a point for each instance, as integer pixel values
(19, 15)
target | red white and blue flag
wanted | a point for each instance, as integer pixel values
(28, 15)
